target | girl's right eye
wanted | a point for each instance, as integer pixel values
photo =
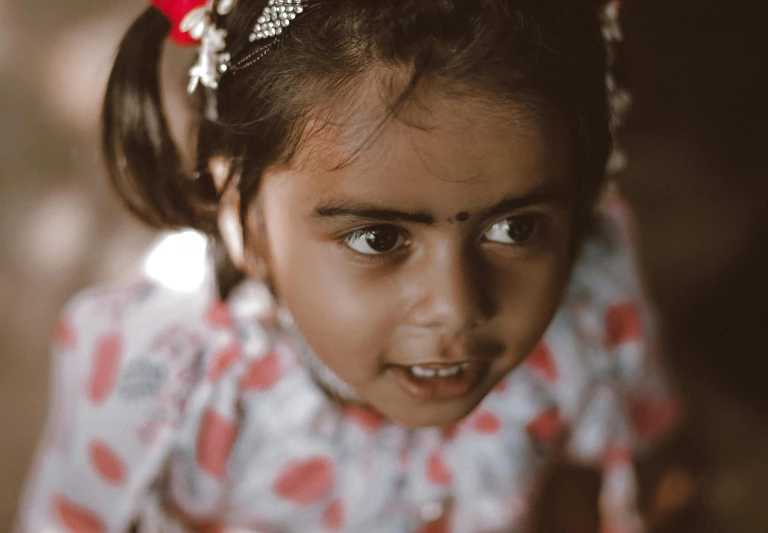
(376, 240)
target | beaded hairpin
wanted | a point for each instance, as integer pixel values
(276, 16)
(213, 59)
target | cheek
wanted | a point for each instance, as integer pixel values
(344, 318)
(530, 295)
(338, 313)
(538, 290)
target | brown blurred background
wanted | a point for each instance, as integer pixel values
(60, 228)
(697, 179)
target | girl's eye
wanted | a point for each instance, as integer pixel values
(512, 230)
(376, 241)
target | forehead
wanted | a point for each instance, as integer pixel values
(441, 152)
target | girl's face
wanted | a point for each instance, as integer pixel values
(427, 267)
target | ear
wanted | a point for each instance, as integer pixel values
(229, 218)
(250, 260)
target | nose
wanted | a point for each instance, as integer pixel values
(451, 292)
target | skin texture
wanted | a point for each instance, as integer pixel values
(446, 292)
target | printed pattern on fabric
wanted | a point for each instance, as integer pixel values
(182, 413)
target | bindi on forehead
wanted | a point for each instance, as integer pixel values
(460, 217)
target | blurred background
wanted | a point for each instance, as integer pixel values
(60, 227)
(697, 181)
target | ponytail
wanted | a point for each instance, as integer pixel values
(142, 159)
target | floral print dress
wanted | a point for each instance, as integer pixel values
(175, 413)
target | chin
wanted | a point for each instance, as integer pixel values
(434, 414)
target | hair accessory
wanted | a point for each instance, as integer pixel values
(619, 98)
(192, 23)
(277, 15)
(176, 11)
(213, 59)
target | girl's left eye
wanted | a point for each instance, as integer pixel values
(377, 240)
(512, 230)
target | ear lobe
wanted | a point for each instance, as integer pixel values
(229, 221)
(219, 167)
(231, 228)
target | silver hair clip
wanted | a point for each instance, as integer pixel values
(213, 59)
(277, 15)
(620, 99)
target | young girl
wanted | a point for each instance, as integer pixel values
(420, 307)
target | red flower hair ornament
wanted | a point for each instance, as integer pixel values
(180, 13)
(193, 22)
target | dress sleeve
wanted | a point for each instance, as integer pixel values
(626, 406)
(119, 380)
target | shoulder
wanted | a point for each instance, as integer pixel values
(602, 310)
(104, 330)
(137, 372)
(602, 345)
(130, 306)
(604, 272)
(116, 333)
(123, 351)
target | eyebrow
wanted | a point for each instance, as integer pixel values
(372, 212)
(368, 211)
(542, 195)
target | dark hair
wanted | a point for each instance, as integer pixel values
(542, 52)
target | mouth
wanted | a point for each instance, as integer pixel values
(430, 382)
(438, 370)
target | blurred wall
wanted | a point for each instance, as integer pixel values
(696, 142)
(60, 228)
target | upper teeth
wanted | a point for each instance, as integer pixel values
(421, 372)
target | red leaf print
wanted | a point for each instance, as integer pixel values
(106, 462)
(305, 482)
(618, 456)
(367, 419)
(65, 334)
(652, 417)
(437, 470)
(541, 360)
(333, 516)
(214, 443)
(75, 518)
(486, 422)
(546, 426)
(262, 374)
(450, 432)
(223, 361)
(218, 315)
(106, 364)
(622, 324)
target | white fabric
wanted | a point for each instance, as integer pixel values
(181, 412)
